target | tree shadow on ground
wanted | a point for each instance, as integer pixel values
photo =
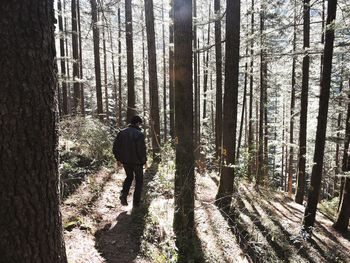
(121, 243)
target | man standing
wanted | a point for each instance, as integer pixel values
(129, 149)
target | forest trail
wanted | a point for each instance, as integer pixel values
(264, 226)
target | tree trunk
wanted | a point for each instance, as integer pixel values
(164, 79)
(300, 189)
(218, 67)
(171, 73)
(82, 100)
(30, 221)
(96, 38)
(64, 105)
(119, 71)
(195, 78)
(105, 82)
(75, 47)
(342, 221)
(263, 71)
(292, 108)
(184, 174)
(205, 73)
(115, 93)
(131, 111)
(152, 80)
(224, 195)
(251, 98)
(316, 176)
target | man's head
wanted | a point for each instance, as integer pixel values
(136, 120)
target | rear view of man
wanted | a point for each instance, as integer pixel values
(129, 149)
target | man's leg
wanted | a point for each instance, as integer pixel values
(138, 169)
(127, 183)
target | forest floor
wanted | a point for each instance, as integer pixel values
(264, 226)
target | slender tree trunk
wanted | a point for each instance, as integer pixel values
(171, 73)
(198, 96)
(300, 189)
(69, 104)
(30, 221)
(292, 109)
(224, 195)
(339, 121)
(184, 173)
(251, 147)
(105, 70)
(131, 111)
(243, 106)
(283, 142)
(164, 79)
(218, 67)
(75, 46)
(143, 69)
(316, 176)
(82, 100)
(62, 34)
(263, 71)
(96, 38)
(115, 93)
(119, 71)
(206, 65)
(153, 80)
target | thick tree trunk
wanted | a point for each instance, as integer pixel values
(96, 38)
(342, 221)
(75, 47)
(64, 105)
(224, 195)
(184, 174)
(300, 189)
(316, 176)
(218, 67)
(131, 111)
(152, 80)
(30, 221)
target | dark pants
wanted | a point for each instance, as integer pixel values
(131, 171)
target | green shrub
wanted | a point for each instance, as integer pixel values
(87, 136)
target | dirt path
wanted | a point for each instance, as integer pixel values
(264, 225)
(107, 231)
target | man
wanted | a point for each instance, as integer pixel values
(129, 149)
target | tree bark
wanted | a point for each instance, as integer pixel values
(119, 71)
(292, 108)
(96, 39)
(224, 195)
(218, 67)
(316, 176)
(152, 80)
(171, 73)
(131, 111)
(64, 105)
(82, 100)
(75, 47)
(184, 174)
(105, 82)
(300, 189)
(342, 221)
(30, 221)
(164, 80)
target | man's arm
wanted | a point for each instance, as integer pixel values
(116, 146)
(141, 149)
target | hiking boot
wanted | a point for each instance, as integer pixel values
(123, 200)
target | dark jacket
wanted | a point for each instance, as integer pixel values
(129, 146)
